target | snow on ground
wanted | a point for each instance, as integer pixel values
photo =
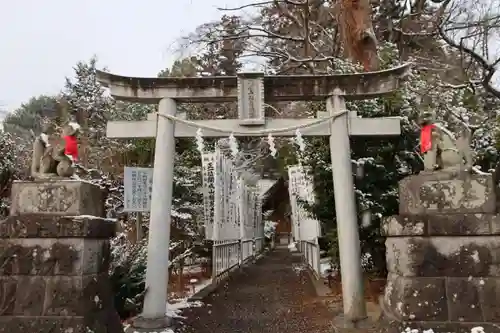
(297, 268)
(202, 285)
(477, 329)
(324, 267)
(293, 247)
(326, 264)
(173, 310)
(165, 330)
(175, 307)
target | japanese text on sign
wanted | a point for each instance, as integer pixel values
(138, 183)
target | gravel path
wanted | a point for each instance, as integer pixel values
(273, 296)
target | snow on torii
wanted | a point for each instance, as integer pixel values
(252, 91)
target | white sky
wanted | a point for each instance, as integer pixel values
(42, 40)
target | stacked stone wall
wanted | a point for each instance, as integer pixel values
(443, 254)
(54, 260)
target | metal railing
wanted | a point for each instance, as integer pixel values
(227, 255)
(260, 242)
(247, 250)
(311, 252)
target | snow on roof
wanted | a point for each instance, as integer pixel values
(264, 185)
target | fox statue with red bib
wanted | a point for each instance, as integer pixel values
(69, 135)
(55, 162)
(440, 149)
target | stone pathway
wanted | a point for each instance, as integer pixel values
(273, 296)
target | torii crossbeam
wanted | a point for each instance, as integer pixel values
(251, 91)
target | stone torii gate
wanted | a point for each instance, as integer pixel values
(252, 90)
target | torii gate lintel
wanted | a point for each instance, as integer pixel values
(357, 127)
(276, 88)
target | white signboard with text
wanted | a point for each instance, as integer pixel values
(138, 184)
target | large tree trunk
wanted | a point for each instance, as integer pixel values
(360, 43)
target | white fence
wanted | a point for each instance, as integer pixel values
(225, 256)
(259, 244)
(247, 249)
(228, 255)
(311, 252)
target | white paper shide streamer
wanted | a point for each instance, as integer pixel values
(233, 145)
(272, 147)
(299, 140)
(200, 145)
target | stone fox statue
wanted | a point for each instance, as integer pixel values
(440, 149)
(41, 160)
(49, 161)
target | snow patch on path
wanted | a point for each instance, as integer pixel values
(477, 329)
(175, 307)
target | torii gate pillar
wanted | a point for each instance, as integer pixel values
(160, 219)
(345, 208)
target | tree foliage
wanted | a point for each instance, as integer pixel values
(8, 170)
(455, 65)
(449, 43)
(31, 115)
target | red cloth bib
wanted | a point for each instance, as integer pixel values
(426, 138)
(71, 147)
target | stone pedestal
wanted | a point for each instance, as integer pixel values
(54, 260)
(443, 255)
(62, 197)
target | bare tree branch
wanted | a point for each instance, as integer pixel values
(488, 68)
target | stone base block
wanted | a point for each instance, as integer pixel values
(439, 327)
(55, 295)
(54, 245)
(441, 299)
(441, 225)
(443, 256)
(58, 304)
(57, 325)
(54, 275)
(446, 192)
(31, 324)
(53, 226)
(444, 271)
(57, 197)
(415, 299)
